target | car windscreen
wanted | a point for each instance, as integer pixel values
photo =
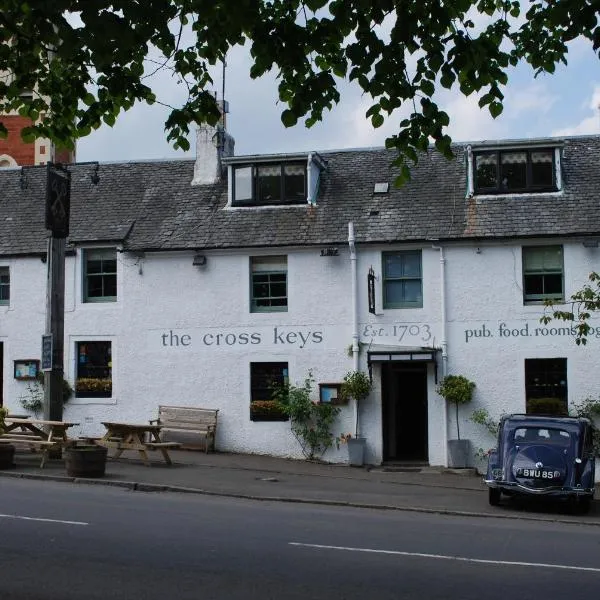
(542, 435)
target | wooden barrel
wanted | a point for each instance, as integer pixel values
(7, 456)
(85, 461)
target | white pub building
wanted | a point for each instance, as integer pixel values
(200, 282)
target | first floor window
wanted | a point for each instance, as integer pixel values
(265, 379)
(268, 284)
(4, 285)
(546, 386)
(402, 280)
(93, 370)
(100, 275)
(543, 273)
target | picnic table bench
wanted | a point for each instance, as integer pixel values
(189, 419)
(30, 432)
(130, 436)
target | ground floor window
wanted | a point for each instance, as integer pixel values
(93, 378)
(264, 378)
(546, 386)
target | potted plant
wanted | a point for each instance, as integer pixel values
(33, 400)
(457, 390)
(7, 451)
(356, 385)
(93, 387)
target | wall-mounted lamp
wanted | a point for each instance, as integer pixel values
(590, 243)
(199, 260)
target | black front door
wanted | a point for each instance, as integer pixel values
(404, 394)
(1, 373)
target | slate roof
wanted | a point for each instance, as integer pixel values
(153, 206)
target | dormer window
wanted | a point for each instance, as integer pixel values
(269, 184)
(513, 171)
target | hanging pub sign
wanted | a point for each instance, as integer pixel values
(47, 353)
(58, 200)
(371, 290)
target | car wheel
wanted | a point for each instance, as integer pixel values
(494, 496)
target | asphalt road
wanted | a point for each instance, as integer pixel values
(61, 542)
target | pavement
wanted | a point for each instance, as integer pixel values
(266, 478)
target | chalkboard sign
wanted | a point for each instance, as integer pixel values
(47, 352)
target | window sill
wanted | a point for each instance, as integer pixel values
(90, 400)
(403, 306)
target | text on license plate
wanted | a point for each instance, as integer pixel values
(538, 473)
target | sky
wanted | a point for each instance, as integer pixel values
(562, 104)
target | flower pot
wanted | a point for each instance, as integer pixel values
(356, 451)
(85, 461)
(7, 455)
(458, 453)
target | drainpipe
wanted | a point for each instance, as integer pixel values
(355, 347)
(444, 341)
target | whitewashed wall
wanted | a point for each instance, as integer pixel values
(179, 336)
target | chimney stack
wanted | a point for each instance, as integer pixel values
(213, 143)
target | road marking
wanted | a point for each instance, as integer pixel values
(445, 557)
(42, 520)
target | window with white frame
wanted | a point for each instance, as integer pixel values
(269, 184)
(4, 285)
(93, 369)
(543, 274)
(100, 275)
(268, 283)
(402, 279)
(514, 171)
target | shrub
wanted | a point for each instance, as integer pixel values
(310, 422)
(546, 406)
(456, 389)
(33, 400)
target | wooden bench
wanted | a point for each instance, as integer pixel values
(35, 442)
(189, 419)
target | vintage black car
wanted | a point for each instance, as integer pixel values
(543, 456)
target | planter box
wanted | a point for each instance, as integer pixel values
(85, 461)
(459, 452)
(356, 451)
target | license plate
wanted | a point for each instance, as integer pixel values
(538, 473)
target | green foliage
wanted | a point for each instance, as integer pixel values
(546, 406)
(267, 410)
(456, 389)
(584, 302)
(398, 53)
(482, 417)
(590, 409)
(33, 400)
(356, 385)
(3, 414)
(311, 422)
(93, 384)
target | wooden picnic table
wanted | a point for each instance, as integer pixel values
(132, 436)
(38, 434)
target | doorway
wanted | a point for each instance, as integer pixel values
(1, 373)
(405, 415)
